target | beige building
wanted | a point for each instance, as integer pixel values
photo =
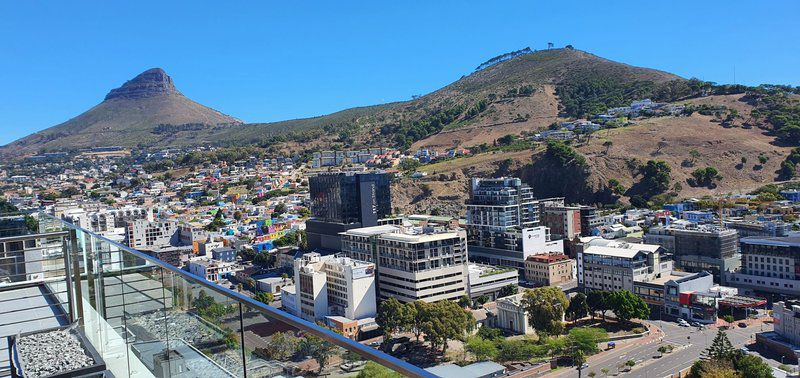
(550, 269)
(511, 315)
(414, 263)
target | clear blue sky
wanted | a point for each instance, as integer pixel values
(291, 59)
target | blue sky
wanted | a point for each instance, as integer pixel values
(272, 61)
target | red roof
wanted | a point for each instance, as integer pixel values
(549, 258)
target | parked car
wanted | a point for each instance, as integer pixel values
(696, 324)
(742, 325)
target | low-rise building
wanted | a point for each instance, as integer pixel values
(512, 317)
(211, 270)
(488, 280)
(549, 269)
(611, 265)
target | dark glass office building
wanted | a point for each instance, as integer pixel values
(345, 200)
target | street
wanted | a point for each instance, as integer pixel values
(689, 342)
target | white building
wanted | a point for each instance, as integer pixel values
(488, 280)
(511, 315)
(334, 285)
(414, 263)
(612, 265)
(211, 270)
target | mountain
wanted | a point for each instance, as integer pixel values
(146, 110)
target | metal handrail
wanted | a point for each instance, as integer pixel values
(273, 313)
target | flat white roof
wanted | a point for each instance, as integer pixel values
(419, 238)
(372, 231)
(624, 251)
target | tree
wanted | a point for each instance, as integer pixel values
(750, 366)
(604, 371)
(728, 319)
(721, 348)
(515, 350)
(264, 297)
(577, 307)
(464, 302)
(607, 144)
(392, 317)
(656, 177)
(279, 209)
(489, 333)
(317, 348)
(596, 300)
(695, 155)
(217, 223)
(284, 276)
(627, 306)
(508, 290)
(545, 307)
(586, 339)
(281, 346)
(374, 370)
(592, 374)
(445, 320)
(579, 358)
(415, 315)
(483, 350)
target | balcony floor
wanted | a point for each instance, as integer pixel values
(23, 310)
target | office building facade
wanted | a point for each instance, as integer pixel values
(345, 200)
(416, 263)
(334, 286)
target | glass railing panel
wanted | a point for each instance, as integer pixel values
(204, 327)
(276, 348)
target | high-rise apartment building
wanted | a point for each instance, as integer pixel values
(503, 223)
(334, 286)
(345, 200)
(415, 263)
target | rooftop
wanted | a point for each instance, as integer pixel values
(549, 258)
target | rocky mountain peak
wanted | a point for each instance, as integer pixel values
(150, 83)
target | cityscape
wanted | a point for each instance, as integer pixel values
(551, 213)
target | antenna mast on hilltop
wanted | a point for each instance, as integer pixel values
(549, 45)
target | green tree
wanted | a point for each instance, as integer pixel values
(318, 349)
(278, 210)
(545, 307)
(464, 302)
(508, 290)
(264, 297)
(656, 177)
(728, 319)
(489, 333)
(374, 370)
(445, 320)
(483, 350)
(627, 306)
(596, 300)
(607, 144)
(750, 366)
(415, 314)
(586, 339)
(217, 223)
(721, 348)
(515, 350)
(281, 346)
(578, 307)
(392, 317)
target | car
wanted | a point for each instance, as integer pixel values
(683, 324)
(584, 366)
(696, 324)
(742, 325)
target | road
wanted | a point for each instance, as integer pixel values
(689, 342)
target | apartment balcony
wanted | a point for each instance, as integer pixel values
(146, 318)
